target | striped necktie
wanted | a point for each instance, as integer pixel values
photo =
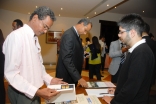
(123, 56)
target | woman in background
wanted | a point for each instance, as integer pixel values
(94, 50)
(2, 88)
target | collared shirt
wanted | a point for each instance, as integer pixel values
(76, 31)
(24, 68)
(136, 44)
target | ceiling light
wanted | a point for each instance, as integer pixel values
(143, 11)
(95, 13)
(61, 8)
(59, 15)
(87, 17)
(115, 7)
(107, 4)
(36, 6)
(28, 12)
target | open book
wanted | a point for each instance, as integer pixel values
(67, 92)
(100, 84)
(82, 99)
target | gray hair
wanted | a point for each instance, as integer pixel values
(85, 22)
(132, 21)
(43, 12)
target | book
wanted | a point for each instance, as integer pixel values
(67, 93)
(98, 92)
(100, 84)
(82, 99)
(62, 87)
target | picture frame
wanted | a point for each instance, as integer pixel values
(53, 36)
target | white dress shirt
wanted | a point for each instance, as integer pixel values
(24, 69)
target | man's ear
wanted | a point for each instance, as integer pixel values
(132, 33)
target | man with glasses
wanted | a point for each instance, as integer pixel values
(71, 54)
(24, 69)
(136, 72)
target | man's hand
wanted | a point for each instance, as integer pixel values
(83, 83)
(107, 99)
(46, 93)
(124, 49)
(57, 81)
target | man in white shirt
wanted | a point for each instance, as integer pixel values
(24, 69)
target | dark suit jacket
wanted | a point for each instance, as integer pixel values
(152, 44)
(70, 58)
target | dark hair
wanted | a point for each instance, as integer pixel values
(101, 36)
(132, 21)
(43, 12)
(146, 28)
(151, 35)
(18, 22)
(85, 22)
(95, 42)
(87, 39)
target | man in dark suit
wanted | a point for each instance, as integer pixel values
(71, 54)
(152, 44)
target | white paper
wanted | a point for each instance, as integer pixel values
(64, 96)
(97, 92)
(100, 84)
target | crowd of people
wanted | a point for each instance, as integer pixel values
(132, 69)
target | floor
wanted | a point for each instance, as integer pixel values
(107, 77)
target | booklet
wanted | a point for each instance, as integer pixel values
(67, 93)
(100, 84)
(82, 99)
(98, 92)
(62, 87)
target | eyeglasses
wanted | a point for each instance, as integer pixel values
(45, 26)
(121, 32)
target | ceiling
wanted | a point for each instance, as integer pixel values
(83, 8)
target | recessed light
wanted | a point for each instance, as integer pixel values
(87, 17)
(107, 4)
(36, 6)
(143, 11)
(59, 15)
(115, 7)
(95, 13)
(28, 12)
(61, 8)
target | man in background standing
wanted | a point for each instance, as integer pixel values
(71, 56)
(115, 52)
(103, 52)
(17, 23)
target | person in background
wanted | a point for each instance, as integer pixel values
(2, 88)
(103, 52)
(86, 58)
(24, 69)
(136, 72)
(83, 45)
(152, 44)
(70, 60)
(17, 23)
(151, 36)
(94, 50)
(115, 52)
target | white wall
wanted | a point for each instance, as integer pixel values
(62, 23)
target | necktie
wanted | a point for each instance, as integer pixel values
(123, 56)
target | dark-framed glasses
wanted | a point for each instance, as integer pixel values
(121, 32)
